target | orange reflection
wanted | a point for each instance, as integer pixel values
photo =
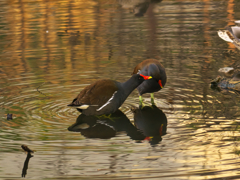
(230, 10)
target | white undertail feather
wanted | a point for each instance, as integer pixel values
(223, 34)
(85, 106)
(107, 102)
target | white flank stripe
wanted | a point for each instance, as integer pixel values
(107, 102)
(224, 36)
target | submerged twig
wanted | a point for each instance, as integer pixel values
(27, 149)
(29, 155)
(25, 166)
(40, 91)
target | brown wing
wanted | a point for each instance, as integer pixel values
(97, 93)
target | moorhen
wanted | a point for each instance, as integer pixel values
(153, 68)
(106, 96)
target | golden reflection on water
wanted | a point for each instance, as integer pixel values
(50, 50)
(51, 29)
(230, 10)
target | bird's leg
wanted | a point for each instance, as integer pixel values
(152, 99)
(141, 105)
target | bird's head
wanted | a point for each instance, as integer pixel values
(145, 77)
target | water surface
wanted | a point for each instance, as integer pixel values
(51, 50)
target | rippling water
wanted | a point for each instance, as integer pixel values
(51, 50)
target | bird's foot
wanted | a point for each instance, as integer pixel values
(141, 106)
(106, 116)
(153, 104)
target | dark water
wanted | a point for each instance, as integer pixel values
(50, 50)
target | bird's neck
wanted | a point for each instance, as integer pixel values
(129, 86)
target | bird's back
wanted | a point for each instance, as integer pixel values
(97, 93)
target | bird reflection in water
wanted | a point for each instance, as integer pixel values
(138, 7)
(29, 155)
(152, 122)
(106, 126)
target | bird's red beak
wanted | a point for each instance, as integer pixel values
(160, 130)
(160, 83)
(146, 77)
